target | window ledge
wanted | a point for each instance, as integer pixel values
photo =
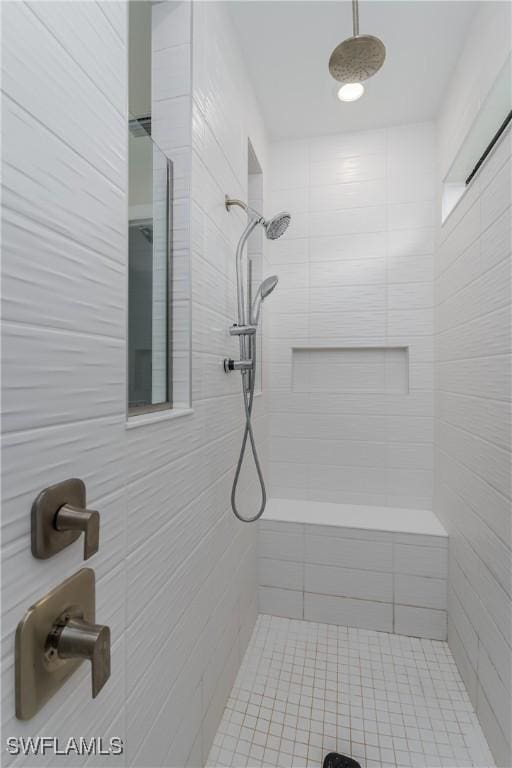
(152, 418)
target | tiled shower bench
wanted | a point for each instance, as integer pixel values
(379, 568)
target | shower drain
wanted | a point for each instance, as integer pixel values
(334, 760)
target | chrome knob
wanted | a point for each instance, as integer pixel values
(74, 638)
(70, 518)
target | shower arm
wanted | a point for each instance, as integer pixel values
(355, 17)
(229, 201)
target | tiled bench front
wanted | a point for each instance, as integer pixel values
(370, 567)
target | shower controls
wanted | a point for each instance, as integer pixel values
(70, 518)
(56, 634)
(74, 638)
(59, 516)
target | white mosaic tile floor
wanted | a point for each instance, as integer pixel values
(305, 689)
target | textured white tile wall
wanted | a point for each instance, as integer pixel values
(224, 118)
(176, 573)
(473, 472)
(356, 270)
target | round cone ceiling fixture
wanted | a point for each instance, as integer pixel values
(358, 57)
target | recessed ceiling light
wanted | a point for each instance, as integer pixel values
(350, 91)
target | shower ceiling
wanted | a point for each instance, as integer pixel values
(295, 92)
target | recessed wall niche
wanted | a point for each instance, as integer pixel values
(343, 370)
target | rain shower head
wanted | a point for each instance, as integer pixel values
(358, 57)
(277, 225)
(265, 289)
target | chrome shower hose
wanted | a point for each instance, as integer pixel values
(248, 397)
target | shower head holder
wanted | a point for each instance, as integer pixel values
(242, 330)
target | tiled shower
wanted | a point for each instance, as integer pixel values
(369, 611)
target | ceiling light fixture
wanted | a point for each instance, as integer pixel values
(350, 92)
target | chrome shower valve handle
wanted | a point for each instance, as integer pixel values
(69, 518)
(54, 637)
(59, 516)
(73, 638)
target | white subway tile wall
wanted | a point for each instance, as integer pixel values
(392, 582)
(356, 270)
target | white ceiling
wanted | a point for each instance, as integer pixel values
(286, 45)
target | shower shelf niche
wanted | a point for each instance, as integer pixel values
(350, 369)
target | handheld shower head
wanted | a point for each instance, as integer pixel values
(267, 286)
(265, 289)
(277, 225)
